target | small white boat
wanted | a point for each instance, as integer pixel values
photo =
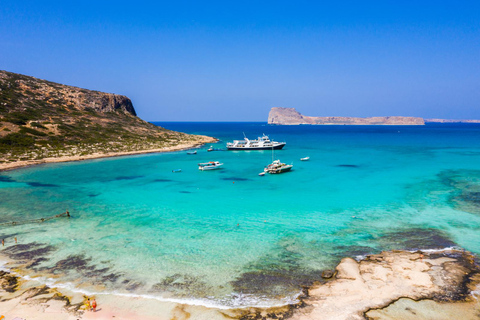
(278, 167)
(211, 165)
(210, 149)
(192, 152)
(176, 170)
(261, 174)
(305, 159)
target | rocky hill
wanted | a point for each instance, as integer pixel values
(41, 119)
(290, 116)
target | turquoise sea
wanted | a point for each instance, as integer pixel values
(231, 238)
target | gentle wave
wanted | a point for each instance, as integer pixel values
(233, 301)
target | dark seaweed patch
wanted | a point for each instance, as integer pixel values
(235, 179)
(182, 285)
(184, 191)
(348, 166)
(278, 273)
(29, 251)
(72, 262)
(6, 179)
(39, 184)
(81, 264)
(131, 285)
(128, 177)
(92, 195)
(112, 277)
(471, 197)
(414, 239)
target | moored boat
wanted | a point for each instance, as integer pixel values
(278, 167)
(211, 165)
(261, 143)
(192, 152)
(305, 159)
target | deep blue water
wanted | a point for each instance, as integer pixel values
(233, 238)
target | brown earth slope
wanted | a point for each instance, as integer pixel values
(41, 119)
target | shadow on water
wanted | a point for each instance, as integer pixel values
(235, 179)
(6, 179)
(127, 178)
(162, 180)
(39, 184)
(348, 166)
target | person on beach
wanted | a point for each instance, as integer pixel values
(15, 239)
(3, 242)
(87, 305)
(94, 305)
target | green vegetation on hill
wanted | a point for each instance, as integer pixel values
(41, 119)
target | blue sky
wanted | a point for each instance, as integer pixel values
(233, 61)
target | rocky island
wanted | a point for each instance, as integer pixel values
(43, 121)
(290, 116)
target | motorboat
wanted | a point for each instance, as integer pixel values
(192, 152)
(176, 170)
(261, 143)
(278, 167)
(305, 159)
(211, 165)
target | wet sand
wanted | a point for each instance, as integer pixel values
(390, 285)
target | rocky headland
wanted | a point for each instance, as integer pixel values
(290, 116)
(43, 121)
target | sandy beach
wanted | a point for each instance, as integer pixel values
(183, 146)
(390, 285)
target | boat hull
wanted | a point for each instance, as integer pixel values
(276, 147)
(280, 170)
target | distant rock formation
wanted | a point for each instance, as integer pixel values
(290, 116)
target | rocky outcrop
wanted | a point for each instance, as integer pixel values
(290, 116)
(379, 280)
(26, 90)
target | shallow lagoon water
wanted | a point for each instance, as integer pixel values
(231, 238)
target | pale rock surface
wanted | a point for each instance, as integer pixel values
(378, 281)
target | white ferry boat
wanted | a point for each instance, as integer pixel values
(261, 143)
(212, 165)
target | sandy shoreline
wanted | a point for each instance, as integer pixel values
(183, 146)
(390, 285)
